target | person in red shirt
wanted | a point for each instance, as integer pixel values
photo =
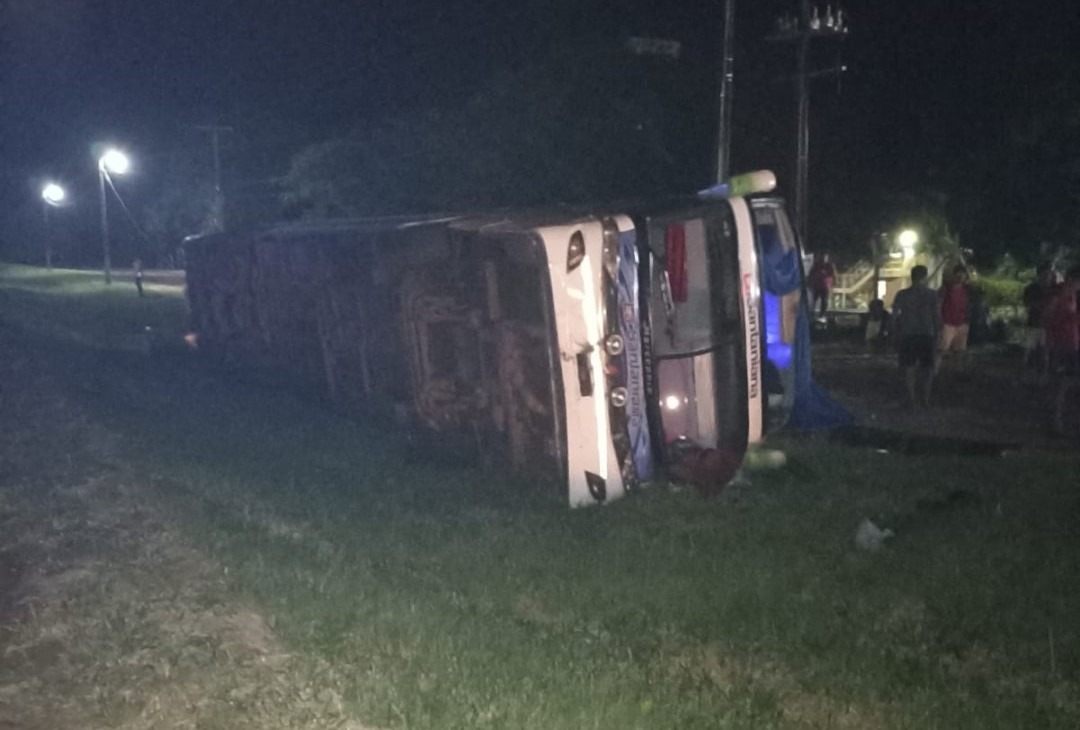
(1061, 322)
(820, 282)
(953, 296)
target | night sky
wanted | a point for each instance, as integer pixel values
(930, 82)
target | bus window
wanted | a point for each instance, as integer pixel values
(680, 291)
(779, 263)
(780, 269)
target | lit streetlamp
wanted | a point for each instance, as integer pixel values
(908, 239)
(113, 161)
(52, 196)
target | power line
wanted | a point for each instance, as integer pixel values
(123, 205)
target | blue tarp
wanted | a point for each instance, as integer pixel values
(813, 408)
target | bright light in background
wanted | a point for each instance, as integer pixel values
(114, 161)
(53, 194)
(907, 239)
(673, 402)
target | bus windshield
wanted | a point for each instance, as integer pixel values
(691, 306)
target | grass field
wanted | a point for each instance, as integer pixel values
(224, 555)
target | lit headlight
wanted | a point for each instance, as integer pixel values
(672, 402)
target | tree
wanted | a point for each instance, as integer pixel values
(1023, 193)
(183, 206)
(577, 128)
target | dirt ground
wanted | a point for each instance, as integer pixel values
(982, 397)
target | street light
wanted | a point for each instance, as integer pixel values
(117, 162)
(907, 240)
(52, 196)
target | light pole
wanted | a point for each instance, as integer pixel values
(117, 162)
(217, 221)
(52, 196)
(727, 90)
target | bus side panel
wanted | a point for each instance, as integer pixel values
(751, 308)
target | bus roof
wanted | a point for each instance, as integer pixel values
(510, 220)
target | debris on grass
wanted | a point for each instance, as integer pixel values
(868, 536)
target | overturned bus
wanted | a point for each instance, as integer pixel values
(597, 347)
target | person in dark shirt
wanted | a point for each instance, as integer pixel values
(917, 326)
(877, 323)
(1036, 297)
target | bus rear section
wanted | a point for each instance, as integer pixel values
(703, 379)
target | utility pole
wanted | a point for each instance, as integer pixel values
(727, 90)
(802, 153)
(801, 30)
(48, 236)
(217, 216)
(105, 253)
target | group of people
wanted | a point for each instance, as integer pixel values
(928, 323)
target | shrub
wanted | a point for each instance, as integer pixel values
(999, 292)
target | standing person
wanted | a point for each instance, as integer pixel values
(877, 323)
(820, 281)
(1061, 323)
(137, 266)
(1036, 297)
(954, 313)
(917, 325)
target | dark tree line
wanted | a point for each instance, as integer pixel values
(576, 128)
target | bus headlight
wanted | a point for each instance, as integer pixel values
(619, 396)
(614, 345)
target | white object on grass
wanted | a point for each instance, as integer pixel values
(868, 536)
